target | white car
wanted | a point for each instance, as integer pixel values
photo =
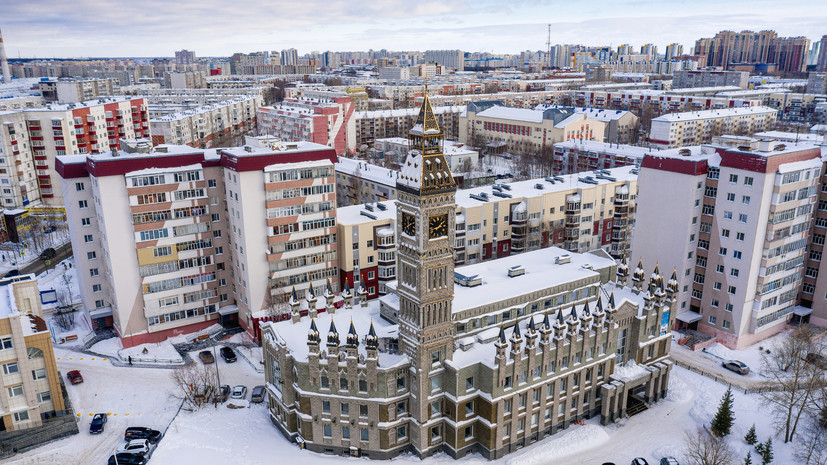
(239, 392)
(134, 446)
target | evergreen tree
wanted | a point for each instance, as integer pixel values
(748, 460)
(722, 422)
(766, 452)
(751, 437)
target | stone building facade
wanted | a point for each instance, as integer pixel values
(430, 368)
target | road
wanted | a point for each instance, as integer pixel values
(710, 364)
(39, 266)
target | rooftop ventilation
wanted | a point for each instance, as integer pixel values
(563, 259)
(516, 270)
(684, 152)
(467, 281)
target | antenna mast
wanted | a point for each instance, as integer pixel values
(548, 47)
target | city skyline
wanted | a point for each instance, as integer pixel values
(49, 29)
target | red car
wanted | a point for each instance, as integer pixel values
(74, 377)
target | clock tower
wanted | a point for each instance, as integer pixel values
(426, 215)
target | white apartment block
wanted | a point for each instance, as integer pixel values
(208, 125)
(699, 127)
(657, 101)
(734, 223)
(381, 124)
(69, 90)
(172, 241)
(326, 120)
(43, 133)
(709, 78)
(576, 156)
(454, 59)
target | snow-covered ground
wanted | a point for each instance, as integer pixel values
(162, 352)
(750, 355)
(140, 397)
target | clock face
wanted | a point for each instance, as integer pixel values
(438, 226)
(408, 224)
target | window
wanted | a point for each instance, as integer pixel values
(506, 431)
(748, 180)
(734, 272)
(725, 232)
(469, 408)
(6, 343)
(469, 383)
(727, 215)
(717, 285)
(722, 251)
(400, 383)
(93, 272)
(345, 408)
(745, 199)
(79, 186)
(401, 433)
(522, 401)
(21, 416)
(714, 303)
(86, 222)
(507, 406)
(733, 178)
(88, 238)
(365, 435)
(343, 384)
(731, 289)
(345, 432)
(15, 391)
(742, 217)
(719, 268)
(728, 307)
(725, 324)
(713, 319)
(363, 410)
(736, 254)
(39, 374)
(10, 368)
(96, 288)
(328, 431)
(730, 197)
(83, 204)
(91, 255)
(739, 236)
(325, 406)
(43, 397)
(436, 383)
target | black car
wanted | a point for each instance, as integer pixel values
(11, 273)
(48, 254)
(96, 427)
(127, 459)
(228, 355)
(140, 432)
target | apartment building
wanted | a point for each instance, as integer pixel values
(577, 156)
(621, 125)
(221, 123)
(41, 134)
(527, 131)
(729, 47)
(657, 102)
(381, 124)
(698, 127)
(30, 389)
(326, 120)
(454, 59)
(69, 90)
(734, 223)
(709, 78)
(575, 212)
(173, 240)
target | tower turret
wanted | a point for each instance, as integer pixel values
(372, 342)
(516, 340)
(329, 297)
(637, 278)
(352, 344)
(313, 339)
(332, 339)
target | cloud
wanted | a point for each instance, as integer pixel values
(214, 28)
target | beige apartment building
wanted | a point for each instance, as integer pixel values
(29, 381)
(578, 212)
(381, 124)
(699, 127)
(208, 126)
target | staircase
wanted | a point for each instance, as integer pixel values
(635, 406)
(695, 337)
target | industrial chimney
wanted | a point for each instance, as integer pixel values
(4, 62)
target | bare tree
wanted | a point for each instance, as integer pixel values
(811, 446)
(797, 380)
(703, 448)
(196, 385)
(65, 310)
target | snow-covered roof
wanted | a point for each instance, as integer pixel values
(516, 114)
(631, 151)
(404, 112)
(367, 171)
(352, 214)
(711, 114)
(294, 336)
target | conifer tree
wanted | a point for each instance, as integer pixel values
(751, 438)
(766, 452)
(722, 422)
(748, 460)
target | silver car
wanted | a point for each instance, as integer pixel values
(737, 366)
(239, 392)
(258, 394)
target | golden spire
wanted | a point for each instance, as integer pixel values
(426, 119)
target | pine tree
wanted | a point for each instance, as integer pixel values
(748, 460)
(722, 422)
(766, 452)
(751, 437)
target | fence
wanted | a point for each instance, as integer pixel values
(720, 379)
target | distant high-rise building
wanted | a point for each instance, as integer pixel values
(649, 49)
(290, 56)
(727, 47)
(790, 53)
(821, 65)
(673, 50)
(448, 58)
(184, 57)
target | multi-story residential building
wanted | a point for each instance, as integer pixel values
(817, 83)
(41, 134)
(789, 54)
(435, 371)
(734, 222)
(381, 124)
(821, 64)
(69, 90)
(657, 102)
(324, 120)
(709, 78)
(454, 59)
(186, 80)
(577, 212)
(621, 125)
(30, 389)
(526, 131)
(577, 156)
(222, 123)
(736, 47)
(184, 57)
(166, 241)
(699, 127)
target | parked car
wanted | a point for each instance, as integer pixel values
(224, 393)
(127, 459)
(227, 354)
(96, 427)
(669, 461)
(734, 365)
(239, 392)
(74, 377)
(140, 432)
(134, 446)
(817, 360)
(11, 273)
(258, 394)
(640, 461)
(206, 357)
(48, 254)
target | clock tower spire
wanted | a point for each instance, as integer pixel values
(426, 215)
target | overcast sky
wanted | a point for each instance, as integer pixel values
(83, 28)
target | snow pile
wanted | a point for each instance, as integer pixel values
(721, 351)
(572, 441)
(238, 403)
(162, 352)
(629, 371)
(679, 391)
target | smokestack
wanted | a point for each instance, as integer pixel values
(4, 62)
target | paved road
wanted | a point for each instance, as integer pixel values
(39, 266)
(712, 365)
